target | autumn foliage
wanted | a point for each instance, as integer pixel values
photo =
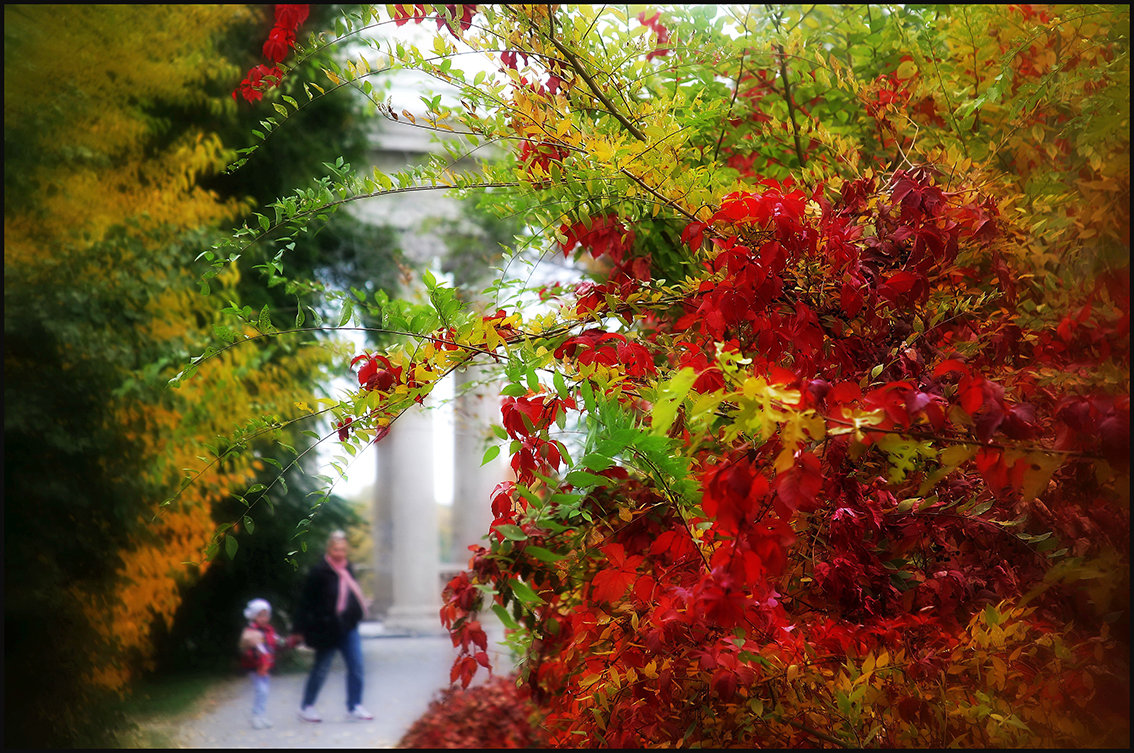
(831, 447)
(281, 39)
(93, 201)
(114, 132)
(494, 714)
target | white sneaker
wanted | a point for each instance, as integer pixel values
(360, 714)
(309, 714)
(259, 722)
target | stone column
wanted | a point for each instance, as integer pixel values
(476, 410)
(405, 492)
(477, 406)
(382, 535)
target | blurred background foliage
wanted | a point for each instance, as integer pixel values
(118, 123)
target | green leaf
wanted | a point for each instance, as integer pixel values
(505, 618)
(588, 391)
(529, 495)
(906, 504)
(513, 533)
(490, 454)
(584, 479)
(524, 592)
(670, 396)
(560, 385)
(230, 546)
(544, 555)
(596, 462)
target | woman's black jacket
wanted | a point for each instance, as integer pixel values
(316, 620)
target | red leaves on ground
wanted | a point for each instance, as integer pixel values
(496, 714)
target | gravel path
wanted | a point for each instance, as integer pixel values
(403, 674)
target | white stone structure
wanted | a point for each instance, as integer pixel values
(409, 568)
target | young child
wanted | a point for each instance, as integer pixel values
(258, 646)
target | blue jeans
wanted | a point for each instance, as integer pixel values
(351, 648)
(259, 693)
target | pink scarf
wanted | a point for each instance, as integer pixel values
(345, 582)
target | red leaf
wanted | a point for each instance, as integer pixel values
(951, 365)
(797, 487)
(693, 234)
(972, 398)
(279, 44)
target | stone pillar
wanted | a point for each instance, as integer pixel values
(477, 407)
(382, 536)
(408, 547)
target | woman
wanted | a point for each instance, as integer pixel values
(330, 609)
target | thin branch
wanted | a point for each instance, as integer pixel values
(736, 91)
(657, 195)
(815, 733)
(790, 105)
(577, 66)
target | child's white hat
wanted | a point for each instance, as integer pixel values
(255, 607)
